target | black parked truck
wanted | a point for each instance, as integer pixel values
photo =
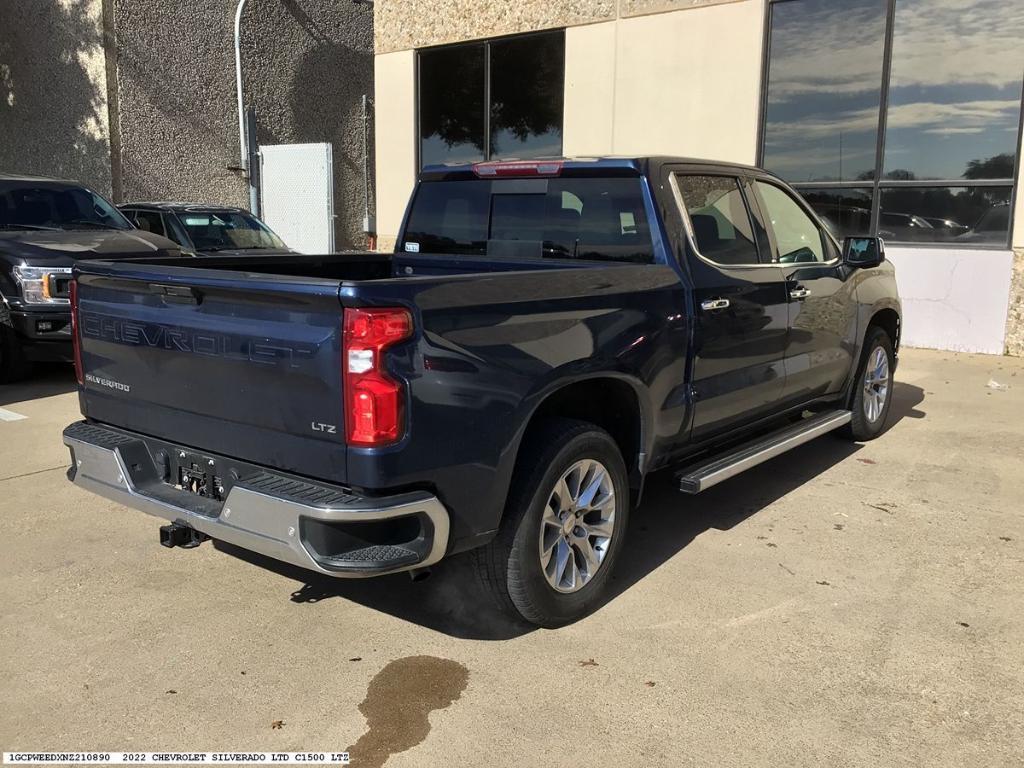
(546, 334)
(46, 227)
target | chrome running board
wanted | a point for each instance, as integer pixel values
(702, 477)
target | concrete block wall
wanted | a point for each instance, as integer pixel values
(53, 91)
(137, 97)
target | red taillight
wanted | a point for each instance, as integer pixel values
(373, 400)
(518, 168)
(76, 343)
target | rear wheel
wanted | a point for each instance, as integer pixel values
(873, 387)
(563, 526)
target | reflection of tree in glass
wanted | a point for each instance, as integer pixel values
(997, 167)
(526, 87)
(452, 95)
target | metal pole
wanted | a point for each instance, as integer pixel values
(243, 147)
(368, 226)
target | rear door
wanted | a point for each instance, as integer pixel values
(243, 364)
(741, 304)
(819, 289)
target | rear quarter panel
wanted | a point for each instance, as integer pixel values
(490, 348)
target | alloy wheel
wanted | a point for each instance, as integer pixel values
(577, 527)
(876, 384)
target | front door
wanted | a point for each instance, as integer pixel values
(741, 306)
(822, 309)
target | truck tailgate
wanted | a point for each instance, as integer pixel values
(249, 368)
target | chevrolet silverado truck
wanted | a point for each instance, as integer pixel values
(545, 335)
(46, 226)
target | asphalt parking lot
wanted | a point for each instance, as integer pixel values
(842, 605)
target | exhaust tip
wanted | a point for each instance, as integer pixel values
(420, 574)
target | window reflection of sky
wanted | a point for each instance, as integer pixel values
(954, 95)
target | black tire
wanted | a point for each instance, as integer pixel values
(13, 365)
(510, 565)
(862, 427)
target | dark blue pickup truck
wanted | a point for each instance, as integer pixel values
(546, 334)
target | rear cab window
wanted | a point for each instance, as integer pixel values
(723, 228)
(598, 219)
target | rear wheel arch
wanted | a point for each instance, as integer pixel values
(612, 403)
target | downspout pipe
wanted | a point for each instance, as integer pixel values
(243, 144)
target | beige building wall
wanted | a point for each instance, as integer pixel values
(689, 64)
(1015, 315)
(676, 83)
(395, 82)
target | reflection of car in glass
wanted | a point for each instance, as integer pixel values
(905, 226)
(843, 220)
(948, 226)
(46, 227)
(991, 227)
(206, 229)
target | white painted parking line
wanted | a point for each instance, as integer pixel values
(6, 415)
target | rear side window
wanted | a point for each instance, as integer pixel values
(721, 222)
(593, 219)
(151, 221)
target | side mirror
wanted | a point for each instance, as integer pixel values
(863, 252)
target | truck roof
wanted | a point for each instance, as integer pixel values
(576, 165)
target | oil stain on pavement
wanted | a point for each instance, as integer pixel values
(398, 701)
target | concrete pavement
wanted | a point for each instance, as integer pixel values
(842, 605)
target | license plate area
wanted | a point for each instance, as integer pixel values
(199, 475)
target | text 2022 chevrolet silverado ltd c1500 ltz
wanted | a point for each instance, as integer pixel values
(546, 334)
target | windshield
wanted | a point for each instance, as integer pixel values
(31, 205)
(572, 218)
(228, 231)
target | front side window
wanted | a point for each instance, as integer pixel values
(720, 219)
(797, 237)
(573, 218)
(492, 100)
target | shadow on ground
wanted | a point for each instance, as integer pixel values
(452, 602)
(47, 380)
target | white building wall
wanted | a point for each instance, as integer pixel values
(953, 299)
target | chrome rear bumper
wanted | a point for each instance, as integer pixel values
(316, 526)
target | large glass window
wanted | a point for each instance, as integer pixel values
(824, 89)
(452, 104)
(492, 100)
(954, 94)
(570, 218)
(949, 114)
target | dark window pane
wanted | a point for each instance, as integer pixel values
(452, 104)
(846, 212)
(150, 221)
(601, 219)
(527, 85)
(954, 99)
(824, 89)
(946, 215)
(720, 219)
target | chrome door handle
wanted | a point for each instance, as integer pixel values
(710, 305)
(799, 293)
